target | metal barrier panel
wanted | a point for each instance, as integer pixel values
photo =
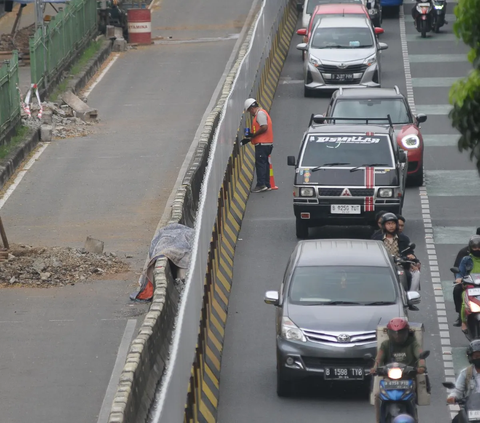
(9, 95)
(170, 406)
(52, 50)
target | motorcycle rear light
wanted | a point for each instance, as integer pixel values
(305, 215)
(474, 307)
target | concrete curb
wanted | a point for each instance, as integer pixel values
(10, 164)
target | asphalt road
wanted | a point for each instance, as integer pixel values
(59, 345)
(248, 379)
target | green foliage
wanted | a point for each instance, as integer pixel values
(465, 93)
(5, 150)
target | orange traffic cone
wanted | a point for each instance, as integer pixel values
(272, 179)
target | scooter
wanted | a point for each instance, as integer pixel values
(398, 390)
(469, 407)
(424, 17)
(439, 11)
(403, 263)
(471, 299)
(375, 12)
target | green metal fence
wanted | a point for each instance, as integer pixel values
(9, 95)
(52, 47)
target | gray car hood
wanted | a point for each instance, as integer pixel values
(341, 318)
(342, 55)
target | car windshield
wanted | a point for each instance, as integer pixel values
(342, 285)
(373, 108)
(353, 149)
(314, 3)
(326, 38)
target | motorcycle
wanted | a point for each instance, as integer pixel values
(403, 264)
(424, 17)
(398, 390)
(439, 11)
(469, 407)
(471, 299)
(375, 12)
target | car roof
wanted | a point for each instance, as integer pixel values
(347, 8)
(348, 21)
(348, 129)
(342, 252)
(368, 93)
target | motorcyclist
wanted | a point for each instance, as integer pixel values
(467, 379)
(414, 268)
(469, 264)
(395, 243)
(458, 288)
(415, 11)
(401, 347)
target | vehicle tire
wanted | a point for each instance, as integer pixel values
(284, 387)
(423, 29)
(301, 228)
(307, 92)
(436, 27)
(416, 180)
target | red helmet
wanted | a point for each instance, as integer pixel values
(398, 330)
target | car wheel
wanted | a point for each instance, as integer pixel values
(416, 179)
(284, 386)
(307, 92)
(301, 228)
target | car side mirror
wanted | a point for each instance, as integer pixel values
(413, 297)
(424, 354)
(454, 270)
(421, 118)
(402, 156)
(449, 385)
(302, 31)
(271, 297)
(291, 161)
(302, 46)
(379, 31)
(382, 46)
(300, 7)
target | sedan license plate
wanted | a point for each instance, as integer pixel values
(342, 77)
(473, 292)
(473, 414)
(345, 209)
(396, 384)
(342, 373)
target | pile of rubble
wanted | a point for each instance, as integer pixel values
(19, 41)
(62, 118)
(42, 266)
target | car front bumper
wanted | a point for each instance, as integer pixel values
(311, 359)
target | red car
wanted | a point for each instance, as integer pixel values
(371, 103)
(341, 9)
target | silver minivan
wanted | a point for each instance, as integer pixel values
(342, 52)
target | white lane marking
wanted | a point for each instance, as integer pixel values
(117, 370)
(22, 173)
(100, 77)
(423, 194)
(61, 320)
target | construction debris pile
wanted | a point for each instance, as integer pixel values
(62, 118)
(42, 266)
(19, 41)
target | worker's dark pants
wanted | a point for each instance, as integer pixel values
(457, 297)
(261, 164)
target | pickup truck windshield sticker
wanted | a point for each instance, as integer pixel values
(306, 176)
(346, 140)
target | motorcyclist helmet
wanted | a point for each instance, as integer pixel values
(473, 347)
(398, 330)
(474, 242)
(249, 102)
(404, 418)
(389, 217)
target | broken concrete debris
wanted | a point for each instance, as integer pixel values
(42, 266)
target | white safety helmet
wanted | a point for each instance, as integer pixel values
(248, 103)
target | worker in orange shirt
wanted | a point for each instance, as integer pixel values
(262, 138)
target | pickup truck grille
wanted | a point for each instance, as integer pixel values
(337, 192)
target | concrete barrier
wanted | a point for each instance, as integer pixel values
(135, 391)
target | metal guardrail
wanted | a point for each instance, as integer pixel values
(54, 46)
(9, 95)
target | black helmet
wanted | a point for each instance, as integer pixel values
(474, 242)
(473, 347)
(389, 217)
